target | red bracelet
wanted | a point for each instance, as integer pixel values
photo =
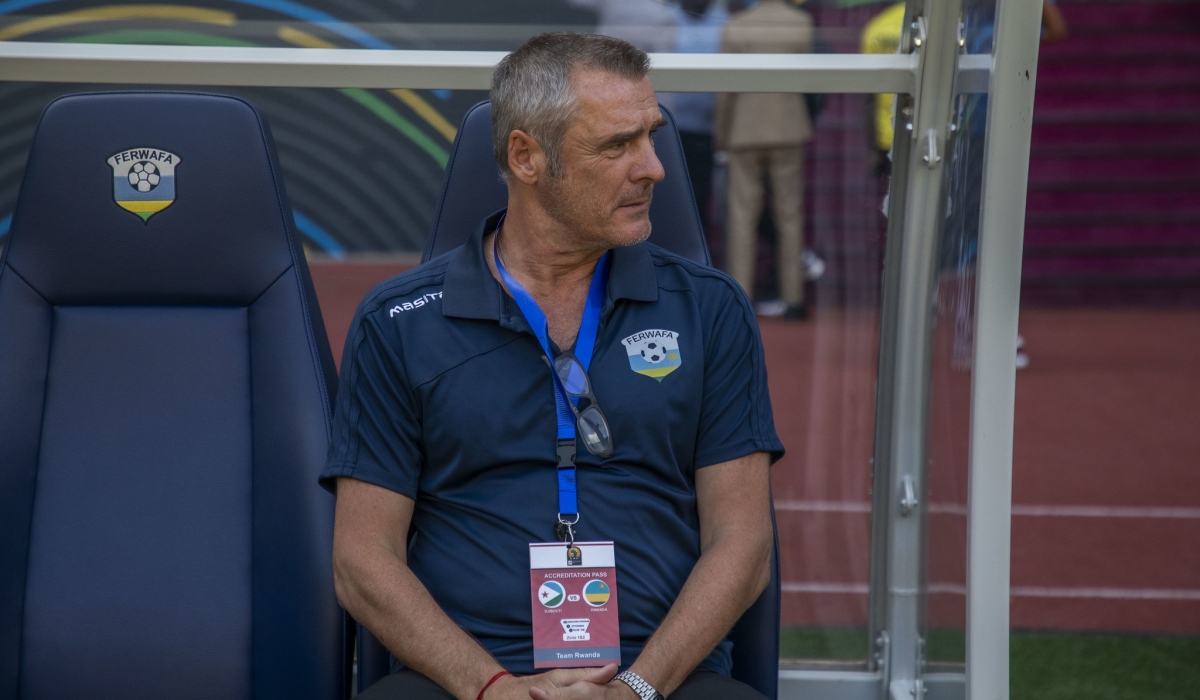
(487, 685)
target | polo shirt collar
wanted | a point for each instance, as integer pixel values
(470, 290)
(632, 275)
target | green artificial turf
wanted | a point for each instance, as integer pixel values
(1045, 665)
(825, 643)
(1058, 666)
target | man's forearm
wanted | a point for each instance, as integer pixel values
(726, 580)
(381, 592)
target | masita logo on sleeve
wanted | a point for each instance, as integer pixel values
(144, 180)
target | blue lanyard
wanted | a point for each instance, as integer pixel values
(585, 344)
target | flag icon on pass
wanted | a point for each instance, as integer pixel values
(551, 594)
(596, 592)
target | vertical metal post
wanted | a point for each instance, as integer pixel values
(1002, 229)
(902, 403)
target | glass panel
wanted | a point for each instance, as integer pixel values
(652, 25)
(1105, 491)
(1104, 499)
(364, 168)
(823, 375)
(952, 356)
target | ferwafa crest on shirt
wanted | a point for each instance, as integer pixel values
(653, 352)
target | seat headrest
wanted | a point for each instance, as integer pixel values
(151, 198)
(473, 190)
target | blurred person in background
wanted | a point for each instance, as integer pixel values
(763, 135)
(882, 36)
(647, 24)
(698, 27)
(960, 237)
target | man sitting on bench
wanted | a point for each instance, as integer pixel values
(551, 445)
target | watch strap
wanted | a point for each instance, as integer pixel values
(644, 690)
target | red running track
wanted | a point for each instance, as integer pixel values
(1106, 527)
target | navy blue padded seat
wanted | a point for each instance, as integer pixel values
(165, 394)
(473, 190)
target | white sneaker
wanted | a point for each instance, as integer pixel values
(774, 307)
(814, 266)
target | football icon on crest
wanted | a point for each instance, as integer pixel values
(144, 176)
(654, 352)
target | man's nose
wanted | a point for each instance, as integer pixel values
(649, 169)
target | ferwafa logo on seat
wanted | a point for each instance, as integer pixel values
(144, 180)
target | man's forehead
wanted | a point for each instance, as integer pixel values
(614, 103)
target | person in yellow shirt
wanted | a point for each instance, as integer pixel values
(882, 35)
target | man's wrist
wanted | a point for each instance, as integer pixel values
(492, 680)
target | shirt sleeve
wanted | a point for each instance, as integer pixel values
(376, 421)
(735, 417)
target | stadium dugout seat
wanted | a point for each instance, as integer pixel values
(165, 393)
(473, 190)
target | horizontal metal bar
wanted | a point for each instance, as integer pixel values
(265, 67)
(945, 686)
(974, 72)
(816, 73)
(454, 70)
(834, 685)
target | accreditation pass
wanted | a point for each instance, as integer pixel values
(574, 604)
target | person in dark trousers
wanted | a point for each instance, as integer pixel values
(556, 378)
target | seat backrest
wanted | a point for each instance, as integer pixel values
(473, 189)
(165, 393)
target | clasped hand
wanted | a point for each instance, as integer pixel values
(562, 684)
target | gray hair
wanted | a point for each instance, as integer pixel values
(531, 88)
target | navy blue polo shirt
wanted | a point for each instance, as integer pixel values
(445, 398)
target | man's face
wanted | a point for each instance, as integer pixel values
(608, 162)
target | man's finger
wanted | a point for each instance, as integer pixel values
(600, 676)
(538, 694)
(563, 677)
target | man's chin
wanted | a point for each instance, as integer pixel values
(631, 233)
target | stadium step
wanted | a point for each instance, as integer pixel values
(1113, 213)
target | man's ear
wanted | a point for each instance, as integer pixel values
(526, 159)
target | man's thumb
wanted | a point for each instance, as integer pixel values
(599, 676)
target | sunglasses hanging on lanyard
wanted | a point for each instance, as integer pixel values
(571, 386)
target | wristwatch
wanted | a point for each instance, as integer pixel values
(644, 690)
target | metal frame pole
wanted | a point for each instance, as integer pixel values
(917, 206)
(993, 389)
